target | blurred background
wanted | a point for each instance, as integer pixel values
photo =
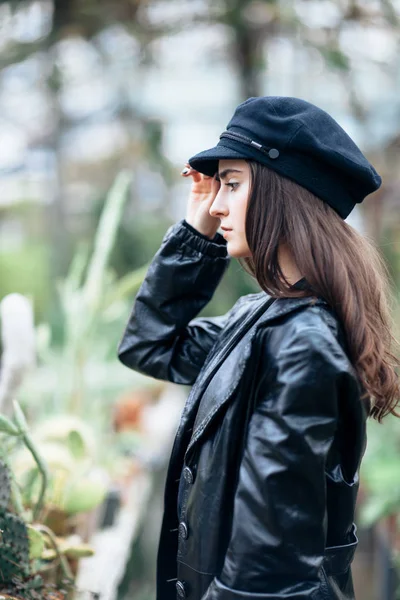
(101, 104)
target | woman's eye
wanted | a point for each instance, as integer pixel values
(232, 185)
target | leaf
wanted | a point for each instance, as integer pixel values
(7, 426)
(70, 551)
(78, 551)
(83, 495)
(36, 542)
(20, 417)
(104, 241)
(79, 262)
(76, 444)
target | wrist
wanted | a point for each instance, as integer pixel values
(215, 247)
(207, 233)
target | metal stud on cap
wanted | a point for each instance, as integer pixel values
(273, 153)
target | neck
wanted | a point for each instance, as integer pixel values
(288, 265)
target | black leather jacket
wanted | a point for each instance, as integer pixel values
(263, 476)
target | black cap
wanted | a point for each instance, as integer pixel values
(300, 141)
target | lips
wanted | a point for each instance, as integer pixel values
(225, 232)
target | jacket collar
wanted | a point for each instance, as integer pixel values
(301, 284)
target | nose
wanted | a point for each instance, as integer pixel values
(218, 208)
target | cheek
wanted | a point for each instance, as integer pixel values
(237, 209)
(237, 242)
(241, 211)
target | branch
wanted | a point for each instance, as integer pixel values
(63, 561)
(390, 13)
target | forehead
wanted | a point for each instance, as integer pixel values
(233, 163)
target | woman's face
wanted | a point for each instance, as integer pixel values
(231, 202)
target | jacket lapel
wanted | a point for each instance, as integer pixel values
(222, 376)
(192, 403)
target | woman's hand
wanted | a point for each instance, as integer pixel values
(202, 194)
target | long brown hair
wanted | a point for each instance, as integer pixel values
(341, 265)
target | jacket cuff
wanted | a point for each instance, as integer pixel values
(184, 232)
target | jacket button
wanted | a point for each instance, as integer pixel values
(188, 474)
(183, 530)
(273, 153)
(180, 588)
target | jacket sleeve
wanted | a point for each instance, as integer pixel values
(279, 525)
(162, 338)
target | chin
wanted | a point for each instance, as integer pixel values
(237, 252)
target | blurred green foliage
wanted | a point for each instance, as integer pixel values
(380, 471)
(25, 270)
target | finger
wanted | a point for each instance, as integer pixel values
(197, 177)
(186, 169)
(189, 171)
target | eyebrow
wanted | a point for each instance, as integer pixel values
(226, 172)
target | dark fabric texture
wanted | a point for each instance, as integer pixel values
(263, 476)
(300, 141)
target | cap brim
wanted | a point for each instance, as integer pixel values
(206, 162)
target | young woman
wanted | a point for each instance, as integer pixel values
(263, 476)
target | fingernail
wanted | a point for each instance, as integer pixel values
(186, 170)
